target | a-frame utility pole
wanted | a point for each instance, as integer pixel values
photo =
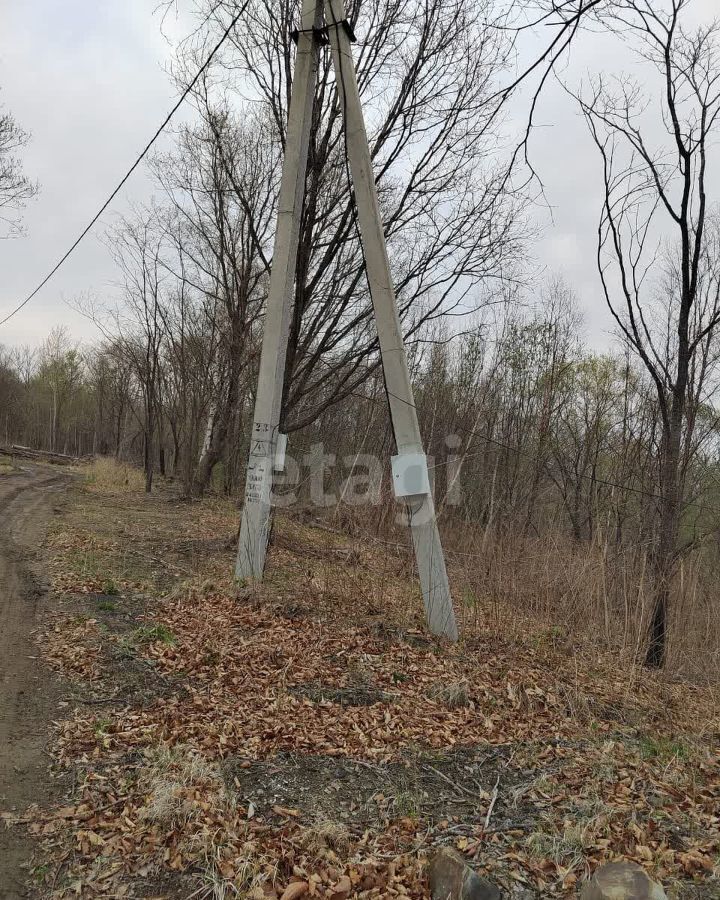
(257, 508)
(409, 466)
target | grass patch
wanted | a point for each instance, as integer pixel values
(40, 873)
(106, 474)
(327, 835)
(86, 563)
(406, 805)
(566, 848)
(453, 696)
(126, 649)
(128, 646)
(107, 606)
(663, 748)
(149, 634)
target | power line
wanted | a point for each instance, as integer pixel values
(132, 168)
(469, 432)
(593, 478)
(524, 453)
(353, 207)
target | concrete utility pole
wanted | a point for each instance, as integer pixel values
(257, 508)
(410, 474)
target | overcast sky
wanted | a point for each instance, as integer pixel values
(89, 81)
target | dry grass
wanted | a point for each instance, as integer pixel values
(106, 475)
(552, 589)
(183, 790)
(329, 841)
(454, 696)
(346, 614)
(560, 593)
(546, 589)
(171, 778)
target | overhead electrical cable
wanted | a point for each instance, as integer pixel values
(132, 168)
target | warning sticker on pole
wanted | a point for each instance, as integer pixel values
(258, 481)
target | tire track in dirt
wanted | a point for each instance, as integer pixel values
(28, 694)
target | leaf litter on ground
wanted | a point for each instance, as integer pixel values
(307, 737)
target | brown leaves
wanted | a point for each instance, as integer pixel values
(342, 889)
(235, 683)
(72, 645)
(294, 890)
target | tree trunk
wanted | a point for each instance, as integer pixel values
(148, 468)
(55, 424)
(175, 449)
(666, 549)
(118, 429)
(218, 426)
(148, 454)
(214, 444)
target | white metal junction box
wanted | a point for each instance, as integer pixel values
(410, 475)
(280, 450)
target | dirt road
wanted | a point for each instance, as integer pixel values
(27, 693)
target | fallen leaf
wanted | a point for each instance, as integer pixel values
(294, 890)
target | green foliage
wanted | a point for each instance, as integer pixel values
(101, 727)
(149, 634)
(107, 606)
(39, 873)
(406, 805)
(663, 748)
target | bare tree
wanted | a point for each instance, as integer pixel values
(426, 73)
(15, 188)
(61, 369)
(655, 248)
(137, 248)
(110, 374)
(221, 184)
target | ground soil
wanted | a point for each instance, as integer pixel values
(28, 692)
(209, 737)
(359, 794)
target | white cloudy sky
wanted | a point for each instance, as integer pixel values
(88, 80)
